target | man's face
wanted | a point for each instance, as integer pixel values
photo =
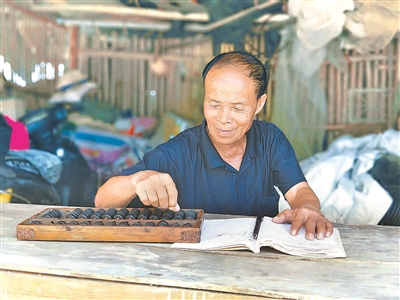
(230, 104)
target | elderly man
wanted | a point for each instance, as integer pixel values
(230, 163)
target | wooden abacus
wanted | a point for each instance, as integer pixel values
(113, 225)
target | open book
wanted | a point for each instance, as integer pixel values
(237, 233)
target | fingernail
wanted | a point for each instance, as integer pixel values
(320, 236)
(293, 232)
(310, 236)
(328, 234)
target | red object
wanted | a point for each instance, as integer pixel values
(19, 135)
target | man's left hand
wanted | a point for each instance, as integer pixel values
(311, 217)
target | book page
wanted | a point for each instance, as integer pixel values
(226, 234)
(278, 237)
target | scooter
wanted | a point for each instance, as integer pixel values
(78, 183)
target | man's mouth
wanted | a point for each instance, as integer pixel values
(224, 132)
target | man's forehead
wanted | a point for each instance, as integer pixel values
(221, 90)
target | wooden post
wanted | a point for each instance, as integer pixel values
(73, 47)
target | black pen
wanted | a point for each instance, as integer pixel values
(257, 226)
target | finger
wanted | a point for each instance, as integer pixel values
(296, 224)
(321, 228)
(172, 193)
(155, 190)
(162, 196)
(176, 208)
(152, 196)
(310, 226)
(143, 196)
(147, 194)
(285, 216)
(329, 228)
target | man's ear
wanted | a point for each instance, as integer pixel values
(261, 102)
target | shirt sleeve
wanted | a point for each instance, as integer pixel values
(286, 170)
(152, 160)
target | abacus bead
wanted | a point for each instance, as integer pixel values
(86, 213)
(110, 213)
(180, 215)
(133, 214)
(167, 215)
(163, 223)
(144, 214)
(55, 213)
(191, 215)
(121, 214)
(156, 214)
(74, 214)
(98, 214)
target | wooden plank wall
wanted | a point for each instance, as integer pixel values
(121, 64)
(28, 40)
(255, 44)
(360, 100)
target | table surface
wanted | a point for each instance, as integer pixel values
(370, 270)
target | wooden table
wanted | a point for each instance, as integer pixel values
(100, 270)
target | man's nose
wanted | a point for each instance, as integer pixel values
(225, 116)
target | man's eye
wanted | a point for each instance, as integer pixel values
(238, 108)
(215, 105)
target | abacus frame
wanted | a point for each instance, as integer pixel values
(49, 230)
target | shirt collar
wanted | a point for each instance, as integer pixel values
(210, 154)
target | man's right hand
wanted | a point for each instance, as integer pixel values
(156, 189)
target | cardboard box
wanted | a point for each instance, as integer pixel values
(14, 108)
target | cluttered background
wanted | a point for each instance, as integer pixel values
(87, 88)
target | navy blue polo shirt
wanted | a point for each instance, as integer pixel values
(205, 181)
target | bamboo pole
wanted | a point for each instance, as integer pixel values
(345, 95)
(369, 104)
(135, 55)
(160, 97)
(105, 69)
(139, 25)
(359, 87)
(121, 11)
(141, 81)
(149, 81)
(234, 17)
(113, 76)
(127, 75)
(135, 73)
(391, 84)
(83, 59)
(96, 63)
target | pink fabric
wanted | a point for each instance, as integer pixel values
(19, 135)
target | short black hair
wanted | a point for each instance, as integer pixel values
(252, 65)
